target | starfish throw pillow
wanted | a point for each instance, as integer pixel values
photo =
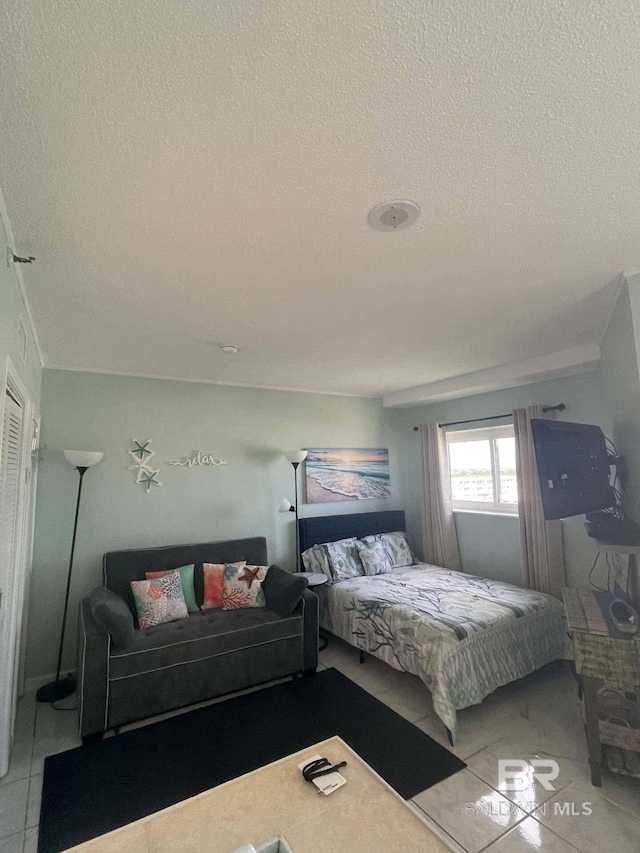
(214, 583)
(243, 587)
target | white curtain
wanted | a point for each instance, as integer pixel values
(540, 540)
(439, 527)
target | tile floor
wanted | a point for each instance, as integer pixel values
(538, 716)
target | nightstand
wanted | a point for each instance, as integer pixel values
(318, 584)
(606, 659)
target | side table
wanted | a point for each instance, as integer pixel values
(317, 584)
(603, 656)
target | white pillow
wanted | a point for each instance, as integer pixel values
(397, 548)
(344, 559)
(316, 559)
(374, 558)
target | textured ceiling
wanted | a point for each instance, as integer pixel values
(193, 173)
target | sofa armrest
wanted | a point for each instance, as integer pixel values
(93, 673)
(308, 606)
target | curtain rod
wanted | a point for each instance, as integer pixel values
(559, 408)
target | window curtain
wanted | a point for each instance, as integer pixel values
(540, 540)
(440, 543)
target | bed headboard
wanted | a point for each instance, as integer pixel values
(331, 528)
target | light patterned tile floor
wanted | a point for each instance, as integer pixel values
(536, 717)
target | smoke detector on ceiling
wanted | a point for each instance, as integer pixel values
(394, 215)
(229, 349)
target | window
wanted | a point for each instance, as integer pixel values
(483, 470)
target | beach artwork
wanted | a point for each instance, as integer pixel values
(347, 474)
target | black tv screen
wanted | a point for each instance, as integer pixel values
(574, 468)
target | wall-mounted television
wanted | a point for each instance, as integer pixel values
(574, 467)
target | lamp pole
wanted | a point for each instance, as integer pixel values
(61, 688)
(295, 490)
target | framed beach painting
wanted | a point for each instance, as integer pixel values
(347, 474)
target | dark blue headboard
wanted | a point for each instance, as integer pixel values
(331, 528)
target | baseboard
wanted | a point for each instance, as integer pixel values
(33, 684)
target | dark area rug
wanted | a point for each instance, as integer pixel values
(93, 789)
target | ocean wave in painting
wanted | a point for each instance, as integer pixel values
(363, 475)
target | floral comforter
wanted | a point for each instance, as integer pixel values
(464, 636)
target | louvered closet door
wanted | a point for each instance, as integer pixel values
(9, 485)
(10, 458)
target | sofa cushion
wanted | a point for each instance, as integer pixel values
(188, 588)
(112, 613)
(213, 574)
(160, 600)
(243, 587)
(210, 633)
(282, 590)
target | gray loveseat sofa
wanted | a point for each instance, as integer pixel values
(206, 655)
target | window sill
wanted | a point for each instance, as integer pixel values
(485, 512)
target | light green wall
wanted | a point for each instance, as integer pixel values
(11, 309)
(490, 544)
(248, 428)
(609, 397)
(621, 384)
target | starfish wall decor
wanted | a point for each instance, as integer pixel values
(145, 473)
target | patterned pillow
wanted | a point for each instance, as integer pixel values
(160, 600)
(344, 559)
(243, 587)
(188, 589)
(397, 548)
(316, 560)
(214, 583)
(374, 558)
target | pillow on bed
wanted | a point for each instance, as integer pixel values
(344, 559)
(316, 559)
(374, 558)
(397, 548)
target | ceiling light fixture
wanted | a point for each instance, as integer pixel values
(229, 349)
(394, 215)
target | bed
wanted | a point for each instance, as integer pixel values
(464, 636)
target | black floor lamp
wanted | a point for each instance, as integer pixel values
(295, 457)
(61, 688)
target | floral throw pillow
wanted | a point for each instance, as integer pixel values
(397, 548)
(374, 558)
(344, 559)
(316, 560)
(243, 587)
(213, 574)
(188, 589)
(160, 600)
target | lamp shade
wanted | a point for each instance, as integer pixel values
(83, 458)
(285, 506)
(296, 456)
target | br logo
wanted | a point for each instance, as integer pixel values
(517, 775)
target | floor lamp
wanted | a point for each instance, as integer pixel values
(61, 688)
(295, 457)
